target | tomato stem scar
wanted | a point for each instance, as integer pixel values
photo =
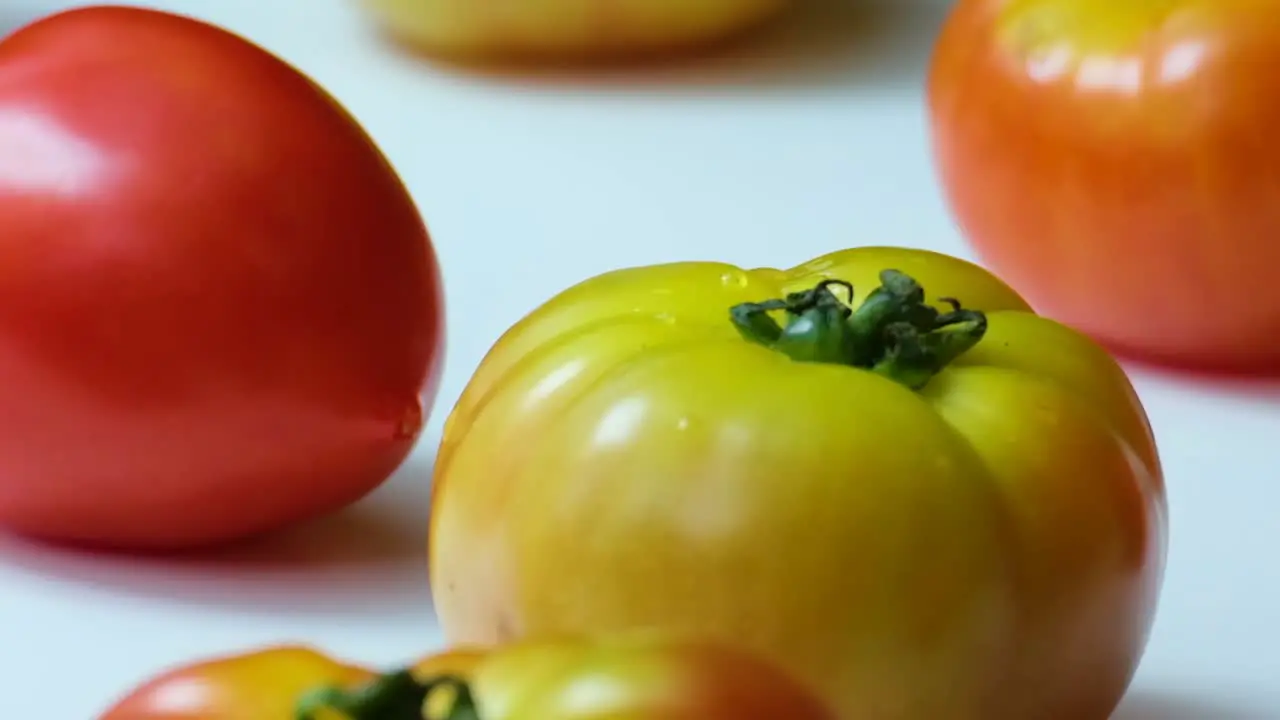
(398, 695)
(894, 333)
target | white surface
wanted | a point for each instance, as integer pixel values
(769, 156)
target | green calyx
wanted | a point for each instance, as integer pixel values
(395, 696)
(893, 333)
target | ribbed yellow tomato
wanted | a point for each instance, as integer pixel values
(949, 510)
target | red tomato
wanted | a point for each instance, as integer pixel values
(1116, 162)
(220, 310)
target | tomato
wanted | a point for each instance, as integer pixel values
(924, 511)
(219, 308)
(263, 684)
(542, 30)
(1113, 161)
(638, 677)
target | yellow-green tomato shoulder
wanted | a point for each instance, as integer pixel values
(940, 275)
(1046, 349)
(692, 293)
(699, 294)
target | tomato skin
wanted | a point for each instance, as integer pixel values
(220, 311)
(1112, 161)
(641, 677)
(989, 547)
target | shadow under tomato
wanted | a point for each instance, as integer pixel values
(1148, 705)
(1264, 388)
(370, 557)
(1257, 379)
(822, 43)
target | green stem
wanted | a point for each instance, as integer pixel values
(894, 332)
(395, 696)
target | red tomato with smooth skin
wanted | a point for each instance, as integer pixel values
(1116, 162)
(220, 311)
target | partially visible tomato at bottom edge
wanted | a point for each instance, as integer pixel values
(637, 676)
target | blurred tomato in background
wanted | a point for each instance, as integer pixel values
(566, 29)
(219, 308)
(1116, 162)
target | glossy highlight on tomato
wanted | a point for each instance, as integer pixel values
(220, 311)
(879, 470)
(1115, 161)
(638, 677)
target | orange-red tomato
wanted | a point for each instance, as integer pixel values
(264, 684)
(1115, 161)
(219, 307)
(633, 677)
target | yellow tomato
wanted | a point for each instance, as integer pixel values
(924, 511)
(542, 29)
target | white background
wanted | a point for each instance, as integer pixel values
(784, 149)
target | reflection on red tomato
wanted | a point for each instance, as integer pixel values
(1115, 162)
(219, 308)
